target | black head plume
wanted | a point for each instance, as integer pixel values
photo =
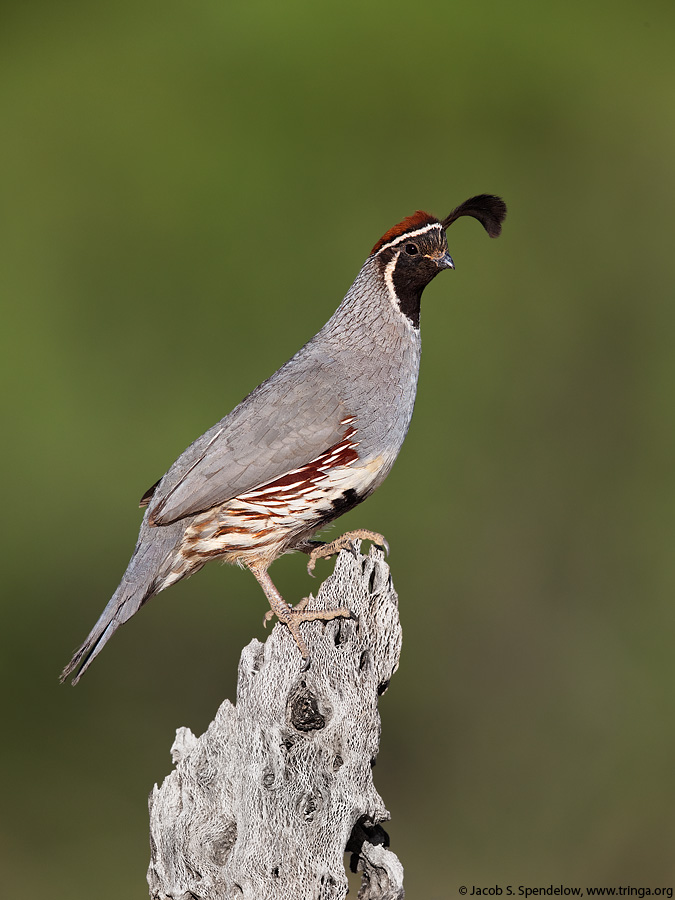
(488, 209)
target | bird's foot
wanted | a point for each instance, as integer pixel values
(346, 542)
(298, 614)
(293, 616)
(299, 606)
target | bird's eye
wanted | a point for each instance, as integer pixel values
(411, 249)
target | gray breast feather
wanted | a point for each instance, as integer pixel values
(284, 423)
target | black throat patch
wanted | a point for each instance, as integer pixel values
(411, 262)
(409, 293)
(410, 276)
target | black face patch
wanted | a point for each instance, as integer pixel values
(415, 268)
(410, 279)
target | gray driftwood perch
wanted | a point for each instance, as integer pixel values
(264, 805)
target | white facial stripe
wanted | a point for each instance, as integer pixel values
(389, 280)
(410, 234)
(393, 296)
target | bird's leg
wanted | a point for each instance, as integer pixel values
(292, 616)
(319, 550)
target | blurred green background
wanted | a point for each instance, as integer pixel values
(187, 191)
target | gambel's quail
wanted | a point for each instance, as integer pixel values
(308, 444)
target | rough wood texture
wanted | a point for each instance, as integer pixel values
(264, 805)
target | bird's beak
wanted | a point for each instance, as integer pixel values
(444, 261)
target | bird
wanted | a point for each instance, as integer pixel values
(307, 445)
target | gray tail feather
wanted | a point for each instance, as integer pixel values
(148, 566)
(123, 604)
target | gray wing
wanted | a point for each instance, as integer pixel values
(283, 424)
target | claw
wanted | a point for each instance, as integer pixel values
(346, 542)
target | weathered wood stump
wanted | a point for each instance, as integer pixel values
(264, 805)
